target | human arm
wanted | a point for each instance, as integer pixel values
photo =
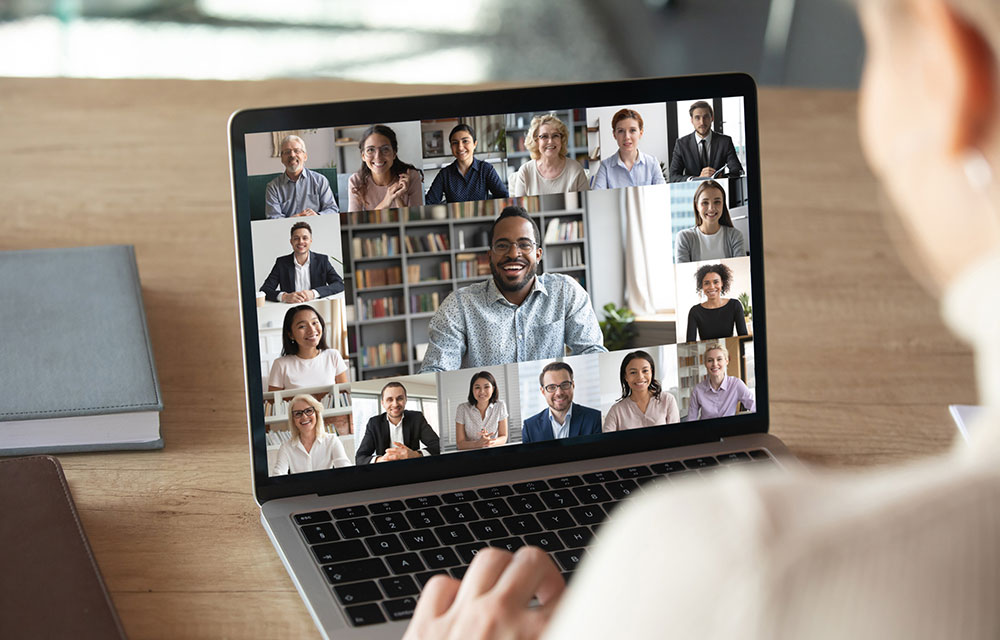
(366, 449)
(745, 395)
(430, 440)
(673, 412)
(677, 171)
(501, 437)
(272, 200)
(685, 238)
(446, 338)
(332, 282)
(436, 192)
(271, 284)
(415, 188)
(327, 201)
(580, 182)
(494, 185)
(282, 462)
(612, 421)
(354, 201)
(736, 247)
(517, 186)
(732, 160)
(694, 405)
(582, 332)
(740, 319)
(657, 171)
(601, 177)
(338, 455)
(692, 326)
(462, 441)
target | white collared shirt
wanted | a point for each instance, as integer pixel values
(561, 430)
(326, 453)
(302, 280)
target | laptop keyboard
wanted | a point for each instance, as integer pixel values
(377, 556)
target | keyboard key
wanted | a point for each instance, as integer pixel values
(382, 545)
(643, 481)
(545, 541)
(634, 472)
(495, 492)
(496, 508)
(570, 559)
(422, 502)
(405, 563)
(313, 517)
(458, 572)
(591, 514)
(439, 558)
(683, 476)
(701, 463)
(399, 586)
(734, 457)
(559, 499)
(456, 513)
(667, 467)
(421, 539)
(358, 592)
(557, 519)
(577, 537)
(510, 544)
(459, 496)
(423, 518)
(520, 525)
(365, 614)
(345, 513)
(591, 493)
(488, 529)
(714, 471)
(599, 476)
(529, 503)
(532, 486)
(355, 528)
(356, 570)
(623, 488)
(390, 522)
(317, 533)
(386, 506)
(340, 551)
(567, 575)
(453, 534)
(401, 609)
(565, 482)
(468, 551)
(422, 578)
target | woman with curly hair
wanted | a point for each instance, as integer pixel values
(549, 170)
(383, 181)
(717, 316)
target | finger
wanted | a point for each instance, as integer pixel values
(435, 599)
(488, 565)
(531, 574)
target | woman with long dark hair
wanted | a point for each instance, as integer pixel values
(644, 403)
(713, 235)
(383, 181)
(306, 360)
(482, 421)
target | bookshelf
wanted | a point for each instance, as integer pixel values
(517, 129)
(393, 295)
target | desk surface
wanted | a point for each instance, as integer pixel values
(862, 369)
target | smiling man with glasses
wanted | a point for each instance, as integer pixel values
(298, 191)
(516, 316)
(563, 418)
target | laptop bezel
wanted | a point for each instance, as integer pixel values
(424, 107)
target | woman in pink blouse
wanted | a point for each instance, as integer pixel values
(644, 403)
(383, 181)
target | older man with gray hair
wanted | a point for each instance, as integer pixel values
(298, 191)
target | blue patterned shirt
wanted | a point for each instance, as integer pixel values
(476, 326)
(284, 198)
(478, 183)
(612, 173)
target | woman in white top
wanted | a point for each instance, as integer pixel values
(549, 170)
(305, 359)
(713, 235)
(482, 421)
(644, 403)
(311, 447)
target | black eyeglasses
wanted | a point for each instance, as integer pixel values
(503, 246)
(565, 386)
(307, 412)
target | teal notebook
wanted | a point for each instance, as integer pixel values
(76, 365)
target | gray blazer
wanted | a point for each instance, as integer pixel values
(688, 249)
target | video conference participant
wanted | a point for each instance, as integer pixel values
(643, 402)
(482, 421)
(311, 446)
(517, 315)
(713, 235)
(563, 418)
(629, 167)
(467, 178)
(549, 170)
(298, 191)
(396, 433)
(701, 153)
(302, 275)
(716, 317)
(305, 359)
(383, 181)
(718, 395)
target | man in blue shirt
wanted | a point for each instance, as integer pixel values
(467, 178)
(517, 315)
(298, 191)
(563, 418)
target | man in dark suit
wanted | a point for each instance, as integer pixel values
(563, 418)
(701, 153)
(302, 275)
(396, 434)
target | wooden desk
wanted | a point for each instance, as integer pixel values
(862, 369)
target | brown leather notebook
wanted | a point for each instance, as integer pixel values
(50, 586)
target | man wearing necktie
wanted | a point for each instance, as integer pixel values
(703, 152)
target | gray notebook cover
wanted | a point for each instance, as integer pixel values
(74, 337)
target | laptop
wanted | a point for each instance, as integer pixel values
(488, 318)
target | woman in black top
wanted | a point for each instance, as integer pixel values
(716, 317)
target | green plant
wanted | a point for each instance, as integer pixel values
(618, 327)
(747, 309)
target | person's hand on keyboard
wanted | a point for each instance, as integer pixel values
(492, 601)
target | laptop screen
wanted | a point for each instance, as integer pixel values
(447, 286)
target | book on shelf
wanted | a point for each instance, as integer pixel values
(381, 216)
(426, 243)
(385, 276)
(380, 246)
(424, 302)
(384, 307)
(472, 265)
(383, 354)
(563, 231)
(572, 257)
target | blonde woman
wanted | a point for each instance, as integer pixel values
(311, 447)
(549, 170)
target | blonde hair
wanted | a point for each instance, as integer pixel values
(720, 346)
(536, 123)
(321, 431)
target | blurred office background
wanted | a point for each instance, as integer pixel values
(809, 43)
